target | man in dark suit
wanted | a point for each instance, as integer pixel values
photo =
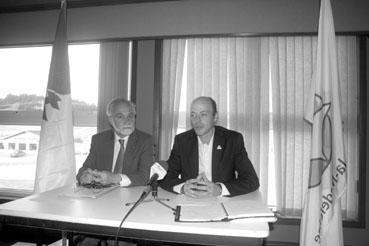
(209, 160)
(122, 155)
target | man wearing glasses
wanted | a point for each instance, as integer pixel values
(122, 155)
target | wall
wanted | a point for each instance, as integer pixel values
(191, 17)
(188, 17)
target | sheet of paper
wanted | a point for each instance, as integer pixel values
(202, 212)
(83, 192)
(246, 209)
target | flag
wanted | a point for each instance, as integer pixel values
(55, 160)
(321, 222)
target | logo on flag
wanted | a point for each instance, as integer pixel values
(52, 98)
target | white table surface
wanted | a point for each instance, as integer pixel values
(109, 209)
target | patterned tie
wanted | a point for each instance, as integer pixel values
(119, 163)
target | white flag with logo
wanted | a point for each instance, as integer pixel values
(56, 161)
(321, 223)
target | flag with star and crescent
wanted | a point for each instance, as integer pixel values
(56, 161)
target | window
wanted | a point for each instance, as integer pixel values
(24, 75)
(260, 85)
(33, 146)
(22, 146)
(11, 146)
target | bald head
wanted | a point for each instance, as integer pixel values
(207, 100)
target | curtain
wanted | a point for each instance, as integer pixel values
(172, 71)
(292, 60)
(348, 71)
(259, 84)
(114, 77)
(291, 70)
(234, 72)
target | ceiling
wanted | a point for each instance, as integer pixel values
(11, 6)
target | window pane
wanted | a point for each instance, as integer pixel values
(84, 70)
(24, 78)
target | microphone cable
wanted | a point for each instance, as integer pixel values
(142, 197)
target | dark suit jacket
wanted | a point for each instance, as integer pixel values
(138, 155)
(230, 164)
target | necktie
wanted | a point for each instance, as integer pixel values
(119, 162)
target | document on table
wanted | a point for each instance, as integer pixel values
(86, 192)
(224, 211)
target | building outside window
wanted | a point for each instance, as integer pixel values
(25, 74)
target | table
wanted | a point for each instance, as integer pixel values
(149, 221)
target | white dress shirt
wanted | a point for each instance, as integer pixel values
(205, 157)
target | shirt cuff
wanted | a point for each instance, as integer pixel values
(225, 191)
(125, 181)
(178, 188)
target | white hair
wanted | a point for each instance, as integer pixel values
(116, 101)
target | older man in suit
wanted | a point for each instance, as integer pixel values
(209, 160)
(122, 155)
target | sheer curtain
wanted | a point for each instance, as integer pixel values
(259, 84)
(291, 69)
(234, 72)
(291, 66)
(114, 77)
(348, 71)
(173, 58)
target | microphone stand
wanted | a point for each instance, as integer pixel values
(153, 187)
(154, 197)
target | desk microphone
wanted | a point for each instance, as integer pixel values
(153, 179)
(152, 186)
(154, 189)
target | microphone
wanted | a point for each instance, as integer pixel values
(154, 184)
(153, 179)
(150, 185)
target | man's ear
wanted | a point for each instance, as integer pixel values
(216, 117)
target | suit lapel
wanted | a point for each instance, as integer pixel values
(218, 147)
(109, 148)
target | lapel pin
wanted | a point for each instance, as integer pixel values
(219, 147)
